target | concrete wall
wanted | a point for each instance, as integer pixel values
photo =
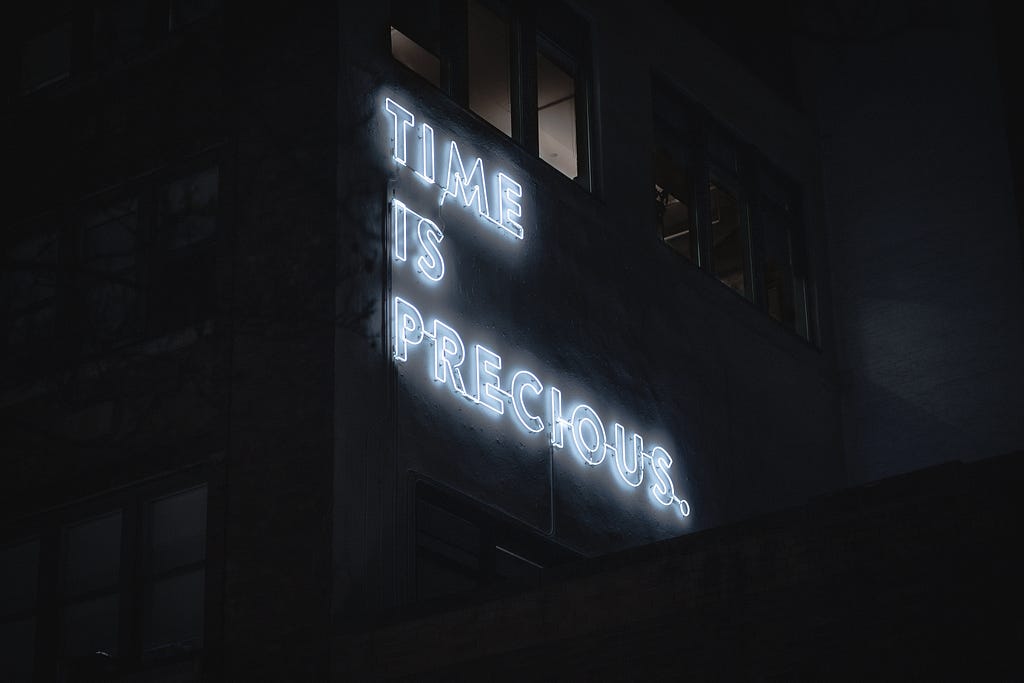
(925, 250)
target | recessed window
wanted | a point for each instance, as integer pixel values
(18, 586)
(721, 205)
(525, 73)
(90, 573)
(729, 246)
(416, 37)
(185, 12)
(32, 289)
(556, 115)
(673, 196)
(176, 575)
(111, 289)
(489, 67)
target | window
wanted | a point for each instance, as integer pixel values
(175, 573)
(141, 261)
(460, 547)
(31, 289)
(19, 570)
(186, 12)
(46, 57)
(184, 271)
(111, 290)
(527, 76)
(90, 590)
(111, 583)
(724, 208)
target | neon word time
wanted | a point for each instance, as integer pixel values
(469, 187)
(475, 372)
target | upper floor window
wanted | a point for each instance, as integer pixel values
(525, 73)
(725, 209)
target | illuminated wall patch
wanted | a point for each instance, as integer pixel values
(476, 373)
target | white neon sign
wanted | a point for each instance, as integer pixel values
(535, 406)
(468, 186)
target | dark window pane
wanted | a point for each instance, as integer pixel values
(174, 618)
(729, 240)
(178, 530)
(416, 37)
(91, 626)
(112, 296)
(183, 289)
(19, 568)
(46, 57)
(556, 115)
(778, 271)
(120, 30)
(489, 67)
(188, 209)
(92, 554)
(435, 577)
(184, 12)
(17, 649)
(672, 195)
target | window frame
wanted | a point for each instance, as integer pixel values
(684, 130)
(564, 35)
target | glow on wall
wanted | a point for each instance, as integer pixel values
(471, 371)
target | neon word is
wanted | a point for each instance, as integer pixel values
(475, 374)
(468, 187)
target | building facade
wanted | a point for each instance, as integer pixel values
(321, 319)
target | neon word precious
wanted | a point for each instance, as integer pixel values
(475, 374)
(467, 187)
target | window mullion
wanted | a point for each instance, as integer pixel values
(524, 40)
(702, 195)
(455, 50)
(129, 586)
